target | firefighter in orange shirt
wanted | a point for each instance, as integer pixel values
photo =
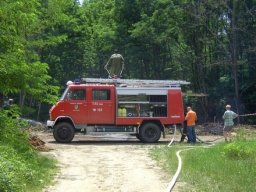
(191, 119)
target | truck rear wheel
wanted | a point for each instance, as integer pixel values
(150, 133)
(63, 132)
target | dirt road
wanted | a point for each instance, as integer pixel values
(109, 164)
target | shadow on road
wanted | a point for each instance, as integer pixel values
(108, 141)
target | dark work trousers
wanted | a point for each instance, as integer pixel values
(191, 134)
(184, 132)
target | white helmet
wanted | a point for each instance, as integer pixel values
(69, 83)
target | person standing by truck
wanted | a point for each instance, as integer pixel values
(191, 119)
(115, 65)
(228, 118)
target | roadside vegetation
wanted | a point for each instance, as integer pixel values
(22, 168)
(223, 167)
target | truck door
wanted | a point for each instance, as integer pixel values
(102, 106)
(76, 105)
(175, 106)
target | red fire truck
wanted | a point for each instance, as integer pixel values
(143, 108)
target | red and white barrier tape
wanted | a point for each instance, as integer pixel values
(245, 115)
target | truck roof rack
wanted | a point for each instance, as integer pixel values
(137, 82)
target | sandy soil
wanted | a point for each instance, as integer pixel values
(116, 163)
(109, 164)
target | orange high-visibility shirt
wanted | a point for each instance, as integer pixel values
(191, 118)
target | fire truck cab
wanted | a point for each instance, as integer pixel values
(137, 107)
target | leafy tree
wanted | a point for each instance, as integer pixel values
(21, 69)
(210, 43)
(100, 30)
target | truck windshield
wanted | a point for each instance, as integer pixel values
(64, 94)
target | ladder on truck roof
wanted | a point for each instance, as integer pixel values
(138, 82)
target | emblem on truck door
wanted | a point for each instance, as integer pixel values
(76, 106)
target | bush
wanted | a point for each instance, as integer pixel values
(13, 170)
(22, 168)
(240, 150)
(10, 131)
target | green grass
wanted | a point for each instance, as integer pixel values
(27, 171)
(22, 169)
(223, 167)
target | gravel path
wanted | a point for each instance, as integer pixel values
(109, 164)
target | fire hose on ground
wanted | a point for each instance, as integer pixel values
(208, 144)
(177, 173)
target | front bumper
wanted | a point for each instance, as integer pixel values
(50, 123)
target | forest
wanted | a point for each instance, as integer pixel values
(210, 43)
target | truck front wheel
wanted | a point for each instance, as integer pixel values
(150, 133)
(63, 132)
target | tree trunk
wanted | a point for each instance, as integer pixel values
(22, 98)
(38, 112)
(234, 56)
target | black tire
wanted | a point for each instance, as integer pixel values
(63, 132)
(150, 133)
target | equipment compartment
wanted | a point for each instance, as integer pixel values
(143, 105)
